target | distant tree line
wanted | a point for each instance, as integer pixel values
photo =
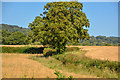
(19, 38)
(15, 38)
(14, 28)
(100, 41)
(13, 35)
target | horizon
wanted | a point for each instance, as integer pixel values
(101, 23)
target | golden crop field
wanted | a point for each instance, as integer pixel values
(20, 66)
(102, 52)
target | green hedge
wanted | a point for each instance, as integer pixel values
(30, 50)
(33, 50)
(13, 49)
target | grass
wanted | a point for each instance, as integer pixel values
(76, 62)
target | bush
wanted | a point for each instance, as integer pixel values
(48, 52)
(34, 50)
(36, 43)
(60, 76)
(68, 58)
(30, 50)
(68, 49)
(107, 44)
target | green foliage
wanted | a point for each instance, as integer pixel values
(62, 22)
(106, 44)
(29, 50)
(48, 52)
(33, 50)
(7, 30)
(68, 58)
(14, 28)
(30, 38)
(87, 62)
(68, 49)
(16, 38)
(13, 49)
(5, 33)
(86, 43)
(100, 41)
(60, 76)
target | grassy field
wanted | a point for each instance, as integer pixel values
(77, 63)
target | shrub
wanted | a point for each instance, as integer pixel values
(48, 52)
(68, 58)
(60, 76)
(72, 49)
(34, 50)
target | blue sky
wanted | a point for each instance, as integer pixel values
(103, 16)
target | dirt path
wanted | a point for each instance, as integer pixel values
(19, 66)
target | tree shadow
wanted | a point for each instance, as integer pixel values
(34, 50)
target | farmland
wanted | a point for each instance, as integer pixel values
(97, 52)
(19, 66)
(61, 39)
(35, 66)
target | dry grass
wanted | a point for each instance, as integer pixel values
(19, 66)
(102, 52)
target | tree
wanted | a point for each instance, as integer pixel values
(86, 43)
(5, 35)
(60, 23)
(30, 38)
(15, 38)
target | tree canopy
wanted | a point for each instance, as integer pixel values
(61, 22)
(13, 38)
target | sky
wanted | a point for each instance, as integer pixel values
(103, 16)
